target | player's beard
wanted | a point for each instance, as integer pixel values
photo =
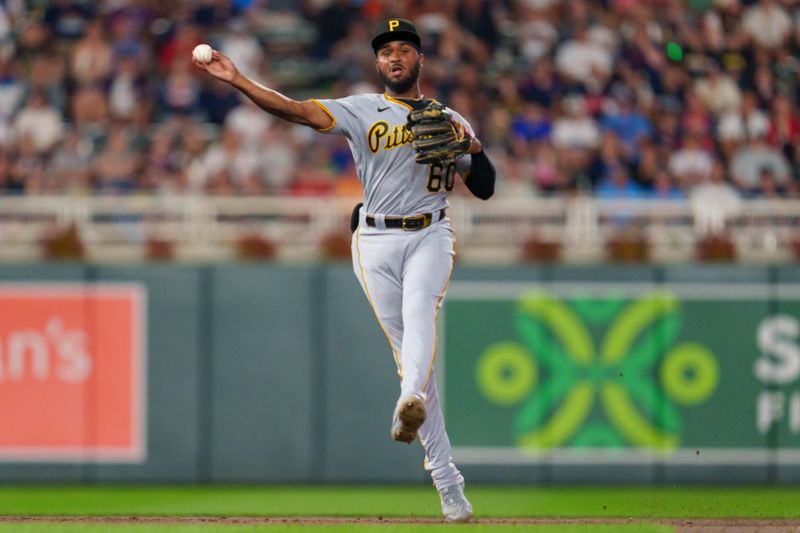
(401, 85)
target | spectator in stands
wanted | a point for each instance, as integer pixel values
(115, 169)
(746, 122)
(794, 161)
(247, 120)
(610, 154)
(190, 161)
(12, 89)
(180, 92)
(543, 86)
(628, 123)
(6, 162)
(91, 59)
(751, 161)
(312, 175)
(242, 46)
(531, 125)
(355, 61)
(69, 168)
(713, 33)
(508, 94)
(160, 166)
(477, 18)
(691, 164)
(127, 23)
(217, 99)
(47, 76)
(714, 201)
(783, 127)
(617, 184)
(767, 24)
(663, 187)
(128, 88)
(767, 186)
(7, 18)
(543, 166)
(32, 37)
(786, 69)
(718, 92)
(576, 129)
(100, 63)
(582, 62)
(178, 47)
(161, 156)
(28, 168)
(603, 30)
(763, 83)
(231, 168)
(67, 19)
(651, 161)
(497, 129)
(521, 175)
(278, 156)
(667, 129)
(40, 122)
(536, 34)
(669, 85)
(332, 24)
(696, 119)
(458, 45)
(89, 108)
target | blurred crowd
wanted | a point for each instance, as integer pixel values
(617, 98)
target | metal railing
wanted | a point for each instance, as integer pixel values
(761, 228)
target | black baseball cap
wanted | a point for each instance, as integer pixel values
(396, 30)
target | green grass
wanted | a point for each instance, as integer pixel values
(638, 503)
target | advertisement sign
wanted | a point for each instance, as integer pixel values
(72, 372)
(617, 373)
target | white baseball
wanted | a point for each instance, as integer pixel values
(202, 53)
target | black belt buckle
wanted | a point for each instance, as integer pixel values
(416, 222)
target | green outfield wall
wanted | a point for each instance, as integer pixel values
(279, 373)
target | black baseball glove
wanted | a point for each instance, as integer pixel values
(437, 137)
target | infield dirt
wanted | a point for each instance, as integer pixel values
(680, 525)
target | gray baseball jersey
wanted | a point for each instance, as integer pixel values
(394, 183)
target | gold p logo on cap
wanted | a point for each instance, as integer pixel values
(394, 23)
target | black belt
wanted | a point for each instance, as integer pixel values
(409, 223)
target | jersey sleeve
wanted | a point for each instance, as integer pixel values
(464, 162)
(345, 114)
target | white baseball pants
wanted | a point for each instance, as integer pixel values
(404, 275)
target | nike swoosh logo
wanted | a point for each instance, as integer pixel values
(382, 109)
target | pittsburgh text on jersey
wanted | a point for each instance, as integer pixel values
(397, 136)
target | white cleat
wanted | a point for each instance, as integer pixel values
(408, 417)
(455, 506)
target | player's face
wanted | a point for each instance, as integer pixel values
(398, 65)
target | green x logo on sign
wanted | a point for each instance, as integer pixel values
(597, 373)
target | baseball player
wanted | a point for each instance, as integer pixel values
(407, 150)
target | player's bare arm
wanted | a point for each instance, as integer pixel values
(303, 112)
